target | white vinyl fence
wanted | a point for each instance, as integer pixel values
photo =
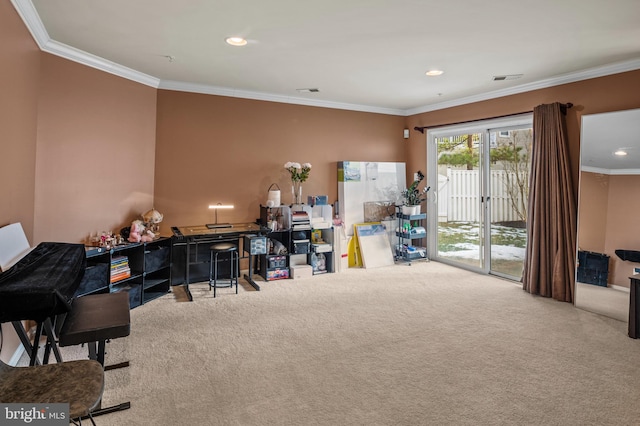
(458, 196)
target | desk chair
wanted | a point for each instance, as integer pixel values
(79, 383)
(234, 261)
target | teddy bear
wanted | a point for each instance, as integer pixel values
(152, 220)
(139, 233)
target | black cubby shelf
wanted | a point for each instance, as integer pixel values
(305, 231)
(148, 275)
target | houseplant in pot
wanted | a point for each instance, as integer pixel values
(413, 197)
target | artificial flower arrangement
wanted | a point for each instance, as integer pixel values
(412, 196)
(299, 173)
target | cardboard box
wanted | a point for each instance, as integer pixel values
(301, 271)
(297, 259)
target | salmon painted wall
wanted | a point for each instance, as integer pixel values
(95, 151)
(592, 219)
(623, 231)
(20, 65)
(608, 220)
(214, 149)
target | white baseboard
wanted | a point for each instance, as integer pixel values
(619, 287)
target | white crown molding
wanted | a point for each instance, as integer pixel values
(536, 85)
(602, 171)
(82, 57)
(31, 19)
(624, 172)
(260, 96)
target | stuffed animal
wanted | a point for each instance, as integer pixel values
(277, 247)
(139, 233)
(152, 220)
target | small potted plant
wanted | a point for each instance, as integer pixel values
(413, 197)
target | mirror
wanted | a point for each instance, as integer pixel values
(608, 211)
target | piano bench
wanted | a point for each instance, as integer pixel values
(94, 319)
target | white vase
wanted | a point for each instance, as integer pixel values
(296, 192)
(410, 210)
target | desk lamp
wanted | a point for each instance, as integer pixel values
(217, 207)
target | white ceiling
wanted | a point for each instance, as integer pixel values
(605, 133)
(368, 55)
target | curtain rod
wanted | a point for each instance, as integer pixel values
(421, 129)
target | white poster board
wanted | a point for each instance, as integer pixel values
(363, 181)
(374, 245)
(13, 245)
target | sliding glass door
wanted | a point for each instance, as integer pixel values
(460, 225)
(477, 214)
(509, 159)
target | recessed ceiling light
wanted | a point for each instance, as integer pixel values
(620, 153)
(236, 41)
(433, 73)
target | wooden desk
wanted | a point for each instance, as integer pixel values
(197, 235)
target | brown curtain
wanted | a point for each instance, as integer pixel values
(549, 266)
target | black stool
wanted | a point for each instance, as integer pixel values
(234, 261)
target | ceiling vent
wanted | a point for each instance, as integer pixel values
(506, 77)
(310, 90)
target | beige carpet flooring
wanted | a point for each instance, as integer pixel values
(425, 344)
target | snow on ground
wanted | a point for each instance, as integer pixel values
(470, 250)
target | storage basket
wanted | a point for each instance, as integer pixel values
(593, 268)
(276, 262)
